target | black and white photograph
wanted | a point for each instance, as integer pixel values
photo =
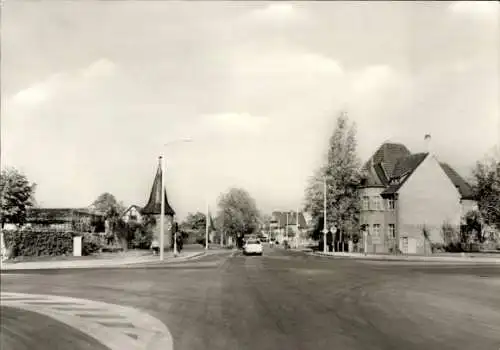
(249, 175)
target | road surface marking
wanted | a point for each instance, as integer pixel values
(115, 326)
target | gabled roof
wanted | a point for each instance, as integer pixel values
(139, 209)
(463, 187)
(392, 164)
(403, 169)
(380, 166)
(154, 204)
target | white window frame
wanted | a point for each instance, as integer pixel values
(377, 203)
(389, 201)
(365, 203)
(393, 233)
(376, 230)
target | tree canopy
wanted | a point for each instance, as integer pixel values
(17, 195)
(194, 224)
(487, 188)
(237, 213)
(341, 171)
(108, 205)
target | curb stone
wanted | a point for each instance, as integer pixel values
(115, 326)
(408, 258)
(54, 265)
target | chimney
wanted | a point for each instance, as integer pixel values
(427, 141)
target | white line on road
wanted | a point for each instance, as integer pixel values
(115, 326)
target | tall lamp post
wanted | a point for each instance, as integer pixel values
(162, 216)
(325, 230)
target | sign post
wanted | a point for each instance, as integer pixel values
(333, 229)
(365, 241)
(325, 231)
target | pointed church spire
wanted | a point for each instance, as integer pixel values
(154, 203)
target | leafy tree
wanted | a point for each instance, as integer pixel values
(17, 195)
(195, 225)
(238, 214)
(107, 204)
(486, 185)
(473, 227)
(342, 174)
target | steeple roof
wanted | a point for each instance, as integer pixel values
(154, 204)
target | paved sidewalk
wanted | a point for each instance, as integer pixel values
(464, 258)
(98, 262)
(115, 326)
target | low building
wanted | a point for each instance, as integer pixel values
(407, 198)
(132, 213)
(64, 219)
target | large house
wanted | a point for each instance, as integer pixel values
(407, 198)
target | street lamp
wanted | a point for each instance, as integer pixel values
(162, 216)
(325, 230)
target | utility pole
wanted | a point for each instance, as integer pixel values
(286, 228)
(206, 228)
(162, 214)
(325, 230)
(297, 236)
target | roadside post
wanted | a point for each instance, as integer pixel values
(77, 246)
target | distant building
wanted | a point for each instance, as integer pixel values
(402, 194)
(132, 213)
(284, 224)
(63, 219)
(153, 207)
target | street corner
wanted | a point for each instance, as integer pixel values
(116, 327)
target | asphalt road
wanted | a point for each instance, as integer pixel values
(288, 300)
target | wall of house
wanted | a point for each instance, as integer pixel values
(131, 213)
(383, 217)
(428, 198)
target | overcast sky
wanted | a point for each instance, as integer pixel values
(91, 90)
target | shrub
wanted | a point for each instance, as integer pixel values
(438, 247)
(91, 243)
(38, 243)
(142, 239)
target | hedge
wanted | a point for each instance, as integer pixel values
(48, 243)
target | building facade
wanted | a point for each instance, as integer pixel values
(132, 213)
(406, 199)
(284, 226)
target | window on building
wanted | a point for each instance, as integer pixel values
(366, 203)
(376, 230)
(390, 204)
(133, 217)
(392, 231)
(377, 203)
